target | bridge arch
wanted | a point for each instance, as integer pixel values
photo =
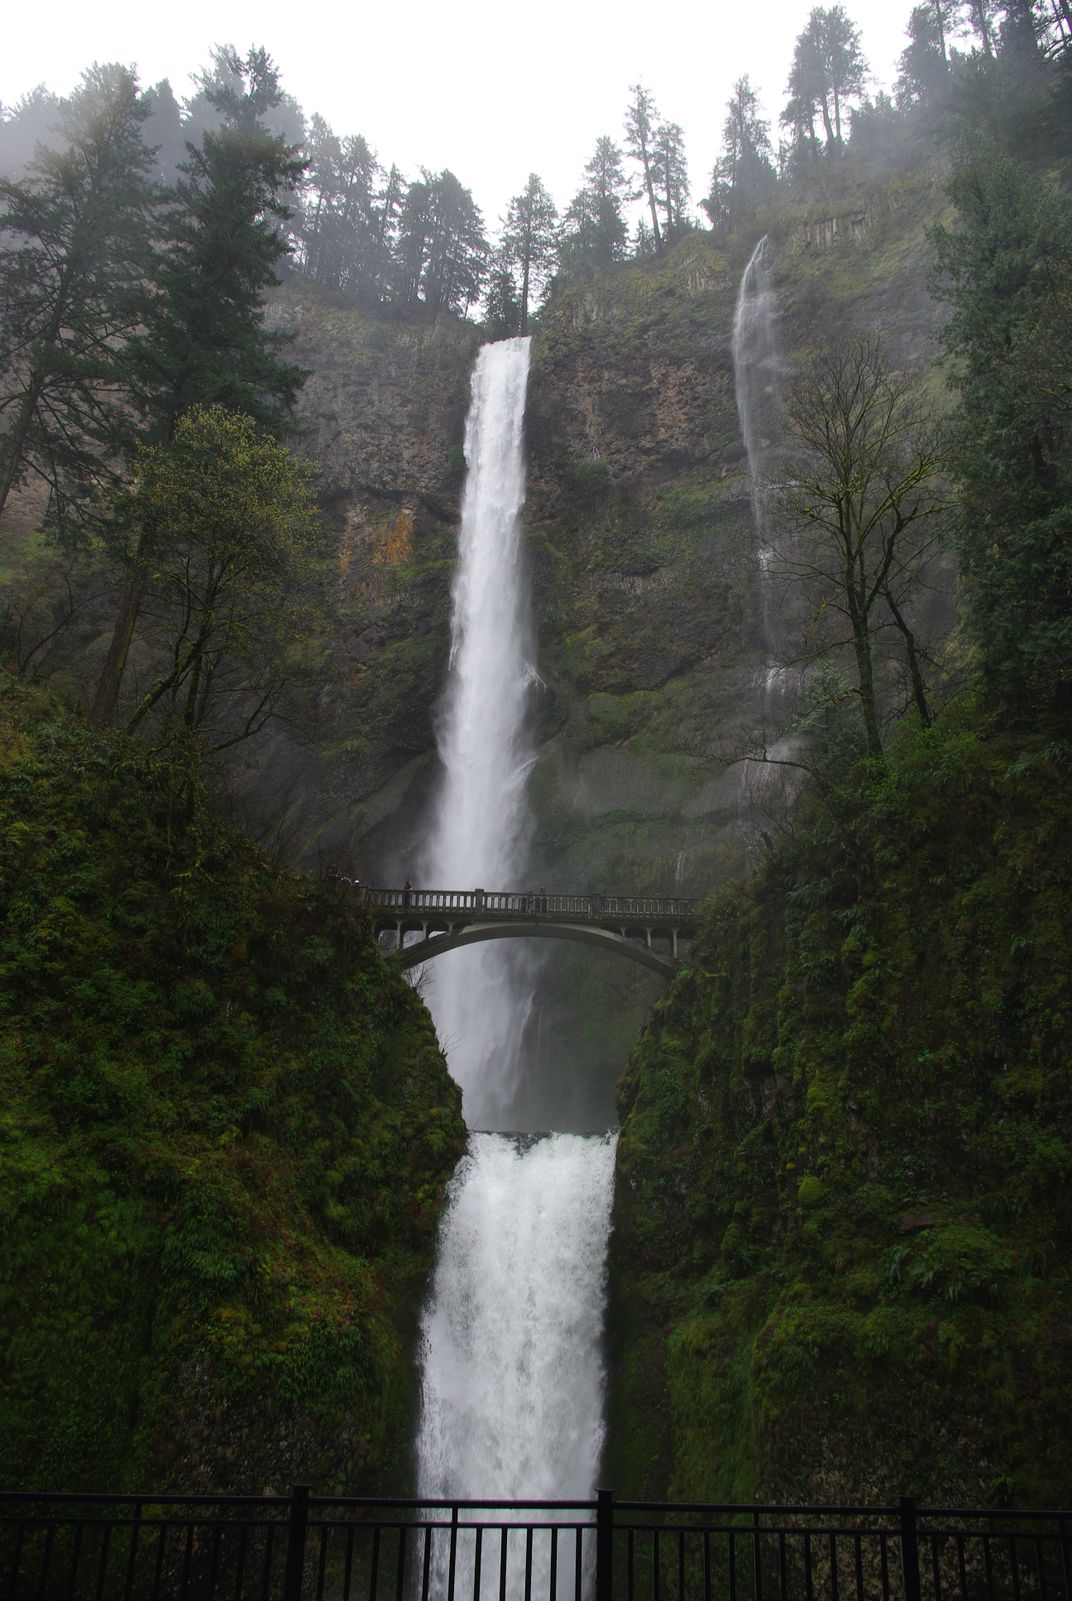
(585, 934)
(448, 919)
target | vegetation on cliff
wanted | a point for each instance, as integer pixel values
(839, 1266)
(844, 1167)
(226, 1127)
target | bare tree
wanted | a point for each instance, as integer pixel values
(861, 513)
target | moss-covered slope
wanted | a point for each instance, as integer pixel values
(225, 1130)
(840, 1262)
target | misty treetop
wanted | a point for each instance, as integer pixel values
(361, 227)
(140, 237)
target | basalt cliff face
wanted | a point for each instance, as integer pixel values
(638, 537)
(648, 627)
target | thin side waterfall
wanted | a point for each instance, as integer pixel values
(758, 374)
(512, 1384)
(757, 378)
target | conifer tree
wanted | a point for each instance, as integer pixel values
(744, 176)
(640, 130)
(594, 233)
(74, 252)
(924, 69)
(204, 341)
(530, 239)
(502, 307)
(671, 177)
(828, 69)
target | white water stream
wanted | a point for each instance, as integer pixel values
(512, 1387)
(758, 375)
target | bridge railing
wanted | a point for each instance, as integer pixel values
(650, 909)
(304, 1547)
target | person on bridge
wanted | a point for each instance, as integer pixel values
(407, 894)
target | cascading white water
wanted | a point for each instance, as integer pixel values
(482, 821)
(512, 1389)
(758, 374)
(522, 1309)
(757, 382)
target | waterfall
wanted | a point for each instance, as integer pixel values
(512, 1384)
(758, 373)
(479, 997)
(527, 1234)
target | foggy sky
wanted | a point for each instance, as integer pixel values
(490, 92)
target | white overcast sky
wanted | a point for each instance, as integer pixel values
(491, 91)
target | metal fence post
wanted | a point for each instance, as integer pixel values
(604, 1544)
(297, 1526)
(909, 1549)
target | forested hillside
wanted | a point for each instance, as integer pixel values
(838, 1261)
(816, 666)
(226, 1130)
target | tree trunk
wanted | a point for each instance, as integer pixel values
(854, 585)
(941, 30)
(14, 444)
(525, 293)
(650, 187)
(915, 676)
(115, 661)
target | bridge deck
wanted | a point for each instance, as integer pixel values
(446, 919)
(451, 906)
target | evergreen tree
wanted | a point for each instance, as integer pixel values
(744, 177)
(411, 247)
(31, 122)
(319, 202)
(441, 249)
(980, 17)
(671, 177)
(457, 247)
(74, 251)
(640, 131)
(828, 69)
(1006, 274)
(163, 134)
(924, 68)
(204, 340)
(502, 305)
(530, 240)
(347, 246)
(594, 232)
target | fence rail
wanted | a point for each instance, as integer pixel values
(304, 1547)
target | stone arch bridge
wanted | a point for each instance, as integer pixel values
(646, 929)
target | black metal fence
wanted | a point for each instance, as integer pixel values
(301, 1546)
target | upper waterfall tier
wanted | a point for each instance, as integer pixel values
(480, 997)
